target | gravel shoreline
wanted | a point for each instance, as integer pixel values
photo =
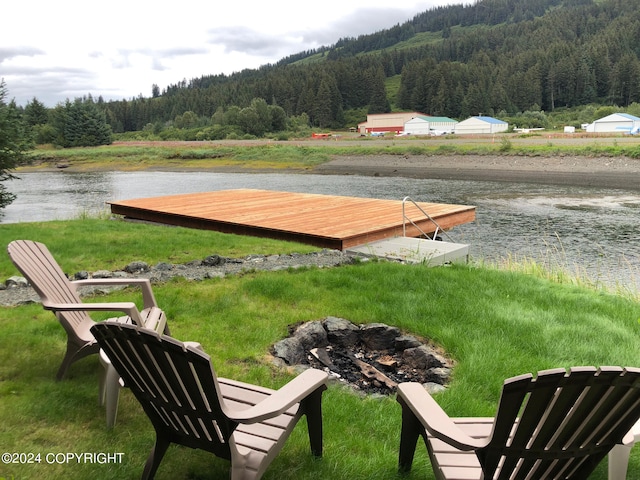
(605, 172)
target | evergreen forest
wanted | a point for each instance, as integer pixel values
(493, 57)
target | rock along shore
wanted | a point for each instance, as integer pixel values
(16, 291)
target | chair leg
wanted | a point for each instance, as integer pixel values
(69, 358)
(313, 410)
(75, 351)
(409, 434)
(155, 457)
(619, 462)
(109, 391)
(112, 396)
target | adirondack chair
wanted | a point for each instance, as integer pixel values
(189, 405)
(619, 456)
(60, 295)
(559, 425)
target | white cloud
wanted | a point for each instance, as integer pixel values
(59, 50)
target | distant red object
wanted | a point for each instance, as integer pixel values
(320, 135)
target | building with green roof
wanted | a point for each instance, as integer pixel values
(428, 125)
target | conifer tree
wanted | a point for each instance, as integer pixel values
(14, 143)
(322, 111)
(36, 113)
(378, 101)
(80, 124)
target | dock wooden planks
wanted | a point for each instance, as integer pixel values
(327, 221)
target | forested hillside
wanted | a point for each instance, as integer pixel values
(493, 57)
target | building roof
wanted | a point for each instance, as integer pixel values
(442, 119)
(427, 118)
(395, 114)
(392, 115)
(489, 119)
(618, 116)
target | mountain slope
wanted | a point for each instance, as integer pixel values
(491, 57)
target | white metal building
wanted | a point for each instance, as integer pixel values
(481, 125)
(426, 125)
(616, 122)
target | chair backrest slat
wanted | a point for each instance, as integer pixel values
(564, 415)
(560, 424)
(38, 266)
(35, 262)
(175, 385)
(514, 393)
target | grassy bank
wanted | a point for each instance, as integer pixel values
(495, 324)
(91, 243)
(303, 155)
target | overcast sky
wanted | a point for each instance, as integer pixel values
(55, 50)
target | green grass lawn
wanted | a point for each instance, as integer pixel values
(494, 323)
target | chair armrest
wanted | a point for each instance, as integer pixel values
(434, 419)
(283, 399)
(128, 308)
(148, 298)
(633, 435)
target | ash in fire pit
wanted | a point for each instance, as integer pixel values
(372, 358)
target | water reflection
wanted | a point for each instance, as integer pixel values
(589, 231)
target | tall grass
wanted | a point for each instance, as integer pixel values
(494, 323)
(552, 264)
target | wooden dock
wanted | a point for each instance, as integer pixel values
(327, 221)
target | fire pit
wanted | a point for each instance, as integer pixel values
(371, 358)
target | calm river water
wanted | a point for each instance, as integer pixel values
(586, 231)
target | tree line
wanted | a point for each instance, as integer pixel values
(494, 57)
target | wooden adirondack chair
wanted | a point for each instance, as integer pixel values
(559, 425)
(619, 456)
(188, 405)
(60, 295)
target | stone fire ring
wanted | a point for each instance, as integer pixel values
(370, 358)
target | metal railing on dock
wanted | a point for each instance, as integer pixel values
(406, 219)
